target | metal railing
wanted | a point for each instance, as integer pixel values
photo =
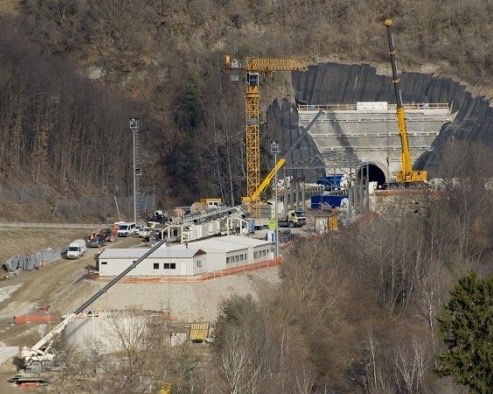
(353, 107)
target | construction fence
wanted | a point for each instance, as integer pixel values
(23, 194)
(113, 207)
(33, 261)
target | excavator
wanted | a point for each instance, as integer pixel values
(407, 176)
(33, 362)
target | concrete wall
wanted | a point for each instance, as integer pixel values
(105, 332)
(351, 83)
(372, 136)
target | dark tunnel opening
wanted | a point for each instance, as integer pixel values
(375, 174)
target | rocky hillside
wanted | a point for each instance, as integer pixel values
(74, 71)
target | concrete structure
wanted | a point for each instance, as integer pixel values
(188, 260)
(8, 352)
(106, 331)
(367, 132)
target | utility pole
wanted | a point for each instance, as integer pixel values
(274, 149)
(134, 126)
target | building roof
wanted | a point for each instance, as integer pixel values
(225, 244)
(163, 252)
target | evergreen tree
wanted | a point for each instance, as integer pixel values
(466, 326)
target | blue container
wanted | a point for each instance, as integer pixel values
(327, 201)
(331, 182)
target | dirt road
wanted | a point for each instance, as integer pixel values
(62, 286)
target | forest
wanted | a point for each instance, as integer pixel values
(357, 311)
(73, 72)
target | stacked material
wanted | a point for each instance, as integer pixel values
(39, 315)
(33, 261)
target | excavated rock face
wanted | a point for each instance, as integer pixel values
(333, 83)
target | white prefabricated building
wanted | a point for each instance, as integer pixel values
(193, 258)
(163, 261)
(233, 251)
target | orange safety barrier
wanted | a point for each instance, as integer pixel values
(199, 277)
(33, 317)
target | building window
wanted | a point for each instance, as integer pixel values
(199, 264)
(155, 266)
(172, 266)
(103, 263)
(169, 266)
(237, 258)
(228, 260)
(166, 266)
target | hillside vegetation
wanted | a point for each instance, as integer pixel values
(74, 71)
(356, 310)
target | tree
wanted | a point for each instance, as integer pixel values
(466, 326)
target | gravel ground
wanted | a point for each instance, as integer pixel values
(185, 302)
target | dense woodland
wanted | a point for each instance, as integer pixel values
(355, 311)
(73, 71)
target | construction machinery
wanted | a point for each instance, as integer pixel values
(256, 194)
(407, 175)
(33, 361)
(253, 67)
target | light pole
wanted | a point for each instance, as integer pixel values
(274, 149)
(134, 126)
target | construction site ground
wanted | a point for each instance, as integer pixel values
(63, 286)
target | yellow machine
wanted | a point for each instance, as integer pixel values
(256, 194)
(252, 67)
(407, 175)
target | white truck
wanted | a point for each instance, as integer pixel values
(76, 249)
(294, 218)
(126, 229)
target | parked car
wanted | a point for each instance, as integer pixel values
(96, 242)
(138, 227)
(145, 232)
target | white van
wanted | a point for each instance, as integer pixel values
(76, 249)
(126, 229)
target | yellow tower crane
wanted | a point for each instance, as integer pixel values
(253, 67)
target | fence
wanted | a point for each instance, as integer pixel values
(105, 208)
(110, 207)
(33, 261)
(23, 194)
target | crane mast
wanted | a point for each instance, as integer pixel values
(407, 174)
(252, 67)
